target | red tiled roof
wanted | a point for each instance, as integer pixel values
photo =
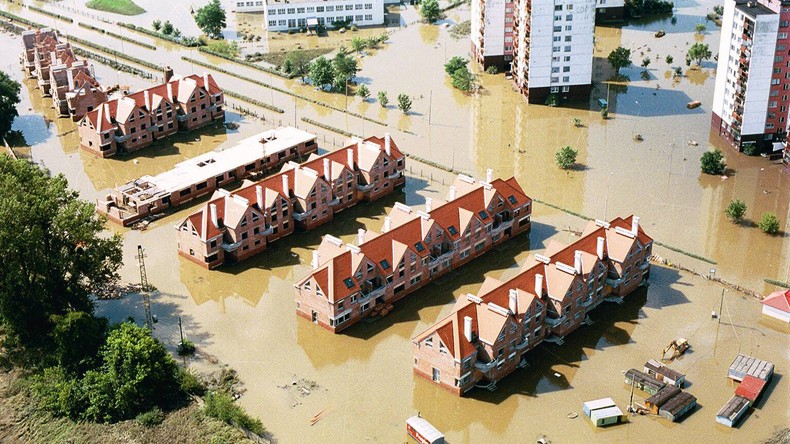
(779, 300)
(751, 387)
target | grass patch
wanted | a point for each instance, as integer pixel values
(278, 58)
(220, 405)
(123, 7)
(151, 418)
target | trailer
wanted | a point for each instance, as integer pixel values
(678, 405)
(746, 365)
(643, 381)
(597, 404)
(665, 374)
(606, 416)
(751, 388)
(423, 431)
(732, 411)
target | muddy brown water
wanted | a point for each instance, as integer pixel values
(244, 315)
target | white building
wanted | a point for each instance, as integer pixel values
(492, 33)
(777, 305)
(553, 48)
(609, 10)
(293, 14)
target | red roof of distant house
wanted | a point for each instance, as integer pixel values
(751, 387)
(779, 300)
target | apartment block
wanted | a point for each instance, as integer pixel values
(352, 281)
(201, 175)
(607, 11)
(294, 14)
(487, 335)
(750, 101)
(135, 121)
(492, 33)
(234, 226)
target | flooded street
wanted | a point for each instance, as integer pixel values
(244, 314)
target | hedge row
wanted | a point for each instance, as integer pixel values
(114, 52)
(52, 14)
(117, 36)
(245, 63)
(777, 283)
(253, 101)
(19, 19)
(278, 89)
(691, 255)
(159, 35)
(10, 27)
(328, 127)
(112, 63)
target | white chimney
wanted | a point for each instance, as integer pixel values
(205, 81)
(635, 225)
(259, 196)
(452, 193)
(577, 261)
(539, 285)
(350, 155)
(428, 204)
(286, 189)
(468, 328)
(214, 220)
(599, 248)
(513, 300)
(489, 175)
(387, 224)
(327, 172)
(360, 236)
(170, 92)
(387, 148)
(70, 78)
(107, 112)
(147, 100)
(359, 146)
(314, 262)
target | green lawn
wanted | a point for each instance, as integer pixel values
(125, 7)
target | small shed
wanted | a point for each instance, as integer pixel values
(606, 416)
(746, 365)
(678, 405)
(732, 411)
(423, 431)
(597, 404)
(643, 381)
(655, 402)
(664, 374)
(777, 305)
(751, 388)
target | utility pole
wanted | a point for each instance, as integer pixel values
(149, 320)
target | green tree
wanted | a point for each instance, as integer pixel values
(769, 223)
(9, 97)
(167, 28)
(669, 59)
(137, 374)
(363, 92)
(430, 10)
(321, 73)
(712, 162)
(78, 336)
(645, 62)
(288, 67)
(52, 253)
(699, 52)
(463, 79)
(454, 64)
(735, 210)
(358, 44)
(619, 58)
(700, 28)
(565, 157)
(605, 113)
(344, 69)
(211, 18)
(383, 99)
(299, 62)
(157, 25)
(404, 103)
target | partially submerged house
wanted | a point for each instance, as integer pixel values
(732, 411)
(777, 305)
(643, 381)
(664, 374)
(746, 365)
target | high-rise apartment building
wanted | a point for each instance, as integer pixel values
(750, 102)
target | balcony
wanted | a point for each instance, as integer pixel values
(374, 293)
(301, 216)
(269, 230)
(554, 322)
(334, 202)
(395, 175)
(485, 367)
(230, 247)
(522, 345)
(446, 255)
(587, 302)
(182, 117)
(122, 138)
(363, 187)
(502, 226)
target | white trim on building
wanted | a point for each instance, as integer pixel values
(285, 15)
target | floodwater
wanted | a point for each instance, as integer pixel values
(244, 315)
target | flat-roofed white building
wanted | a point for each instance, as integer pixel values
(294, 14)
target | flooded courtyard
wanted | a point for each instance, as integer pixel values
(244, 316)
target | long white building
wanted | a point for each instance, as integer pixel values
(294, 14)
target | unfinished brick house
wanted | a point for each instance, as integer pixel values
(349, 282)
(199, 176)
(486, 336)
(234, 226)
(32, 41)
(135, 121)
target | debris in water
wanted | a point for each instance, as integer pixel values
(724, 177)
(572, 415)
(557, 374)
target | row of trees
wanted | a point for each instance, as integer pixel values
(461, 77)
(620, 57)
(736, 211)
(333, 73)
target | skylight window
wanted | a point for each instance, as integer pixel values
(384, 264)
(349, 283)
(512, 199)
(419, 247)
(452, 230)
(483, 215)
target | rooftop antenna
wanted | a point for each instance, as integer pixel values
(145, 288)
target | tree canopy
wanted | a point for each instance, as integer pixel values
(51, 255)
(619, 58)
(565, 157)
(712, 162)
(455, 64)
(321, 72)
(404, 103)
(9, 98)
(699, 52)
(769, 223)
(430, 10)
(735, 210)
(211, 18)
(299, 63)
(344, 68)
(383, 99)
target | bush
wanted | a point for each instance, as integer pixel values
(404, 103)
(712, 162)
(190, 383)
(186, 348)
(565, 157)
(735, 210)
(151, 418)
(750, 149)
(769, 223)
(383, 99)
(219, 405)
(669, 59)
(605, 113)
(492, 70)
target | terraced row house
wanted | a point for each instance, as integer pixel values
(135, 121)
(60, 75)
(349, 282)
(487, 335)
(235, 226)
